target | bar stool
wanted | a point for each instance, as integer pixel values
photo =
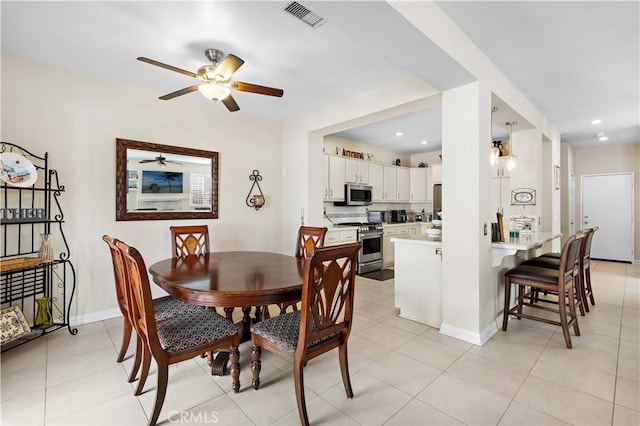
(560, 281)
(553, 262)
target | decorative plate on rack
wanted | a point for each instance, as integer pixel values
(17, 170)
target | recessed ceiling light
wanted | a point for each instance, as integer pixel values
(424, 142)
(596, 122)
(602, 137)
(398, 133)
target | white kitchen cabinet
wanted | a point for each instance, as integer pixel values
(392, 231)
(387, 246)
(403, 184)
(389, 183)
(418, 184)
(356, 171)
(376, 180)
(418, 280)
(436, 173)
(500, 169)
(340, 236)
(336, 178)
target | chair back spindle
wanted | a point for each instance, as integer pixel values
(186, 240)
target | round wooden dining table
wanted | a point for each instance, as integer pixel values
(231, 279)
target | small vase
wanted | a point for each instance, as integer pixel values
(46, 250)
(43, 314)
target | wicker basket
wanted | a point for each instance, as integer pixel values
(19, 263)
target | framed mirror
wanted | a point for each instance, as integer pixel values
(157, 182)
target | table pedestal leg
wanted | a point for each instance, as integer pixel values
(219, 363)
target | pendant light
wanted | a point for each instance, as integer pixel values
(512, 159)
(495, 152)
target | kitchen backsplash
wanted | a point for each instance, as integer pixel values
(341, 214)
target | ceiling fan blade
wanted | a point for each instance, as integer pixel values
(230, 103)
(169, 67)
(147, 161)
(179, 92)
(228, 66)
(254, 88)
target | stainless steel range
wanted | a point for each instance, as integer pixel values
(370, 255)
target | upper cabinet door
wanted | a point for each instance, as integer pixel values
(364, 171)
(356, 171)
(436, 173)
(418, 184)
(376, 180)
(390, 184)
(336, 178)
(403, 186)
(351, 170)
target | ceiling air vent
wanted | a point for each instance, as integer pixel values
(304, 14)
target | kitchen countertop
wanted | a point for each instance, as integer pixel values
(418, 240)
(526, 241)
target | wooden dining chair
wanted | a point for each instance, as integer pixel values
(175, 339)
(323, 322)
(308, 237)
(186, 240)
(164, 307)
(561, 281)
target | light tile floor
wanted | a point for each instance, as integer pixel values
(403, 373)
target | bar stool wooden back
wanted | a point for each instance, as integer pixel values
(561, 281)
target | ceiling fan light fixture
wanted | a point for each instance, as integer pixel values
(214, 91)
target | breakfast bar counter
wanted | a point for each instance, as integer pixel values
(524, 243)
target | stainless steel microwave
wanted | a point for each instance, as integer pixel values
(356, 194)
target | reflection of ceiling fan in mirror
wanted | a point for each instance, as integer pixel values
(162, 161)
(216, 79)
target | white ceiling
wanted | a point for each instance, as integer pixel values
(577, 61)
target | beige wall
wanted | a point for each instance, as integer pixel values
(76, 119)
(610, 159)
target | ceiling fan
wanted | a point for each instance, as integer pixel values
(216, 79)
(161, 160)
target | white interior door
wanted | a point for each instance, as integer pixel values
(607, 202)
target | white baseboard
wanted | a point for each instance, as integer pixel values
(469, 336)
(95, 316)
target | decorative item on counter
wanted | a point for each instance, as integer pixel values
(44, 319)
(45, 253)
(256, 200)
(422, 164)
(16, 170)
(398, 162)
(500, 227)
(13, 324)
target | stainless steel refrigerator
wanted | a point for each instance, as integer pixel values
(437, 200)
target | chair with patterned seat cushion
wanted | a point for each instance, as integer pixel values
(176, 339)
(323, 322)
(561, 281)
(186, 240)
(164, 307)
